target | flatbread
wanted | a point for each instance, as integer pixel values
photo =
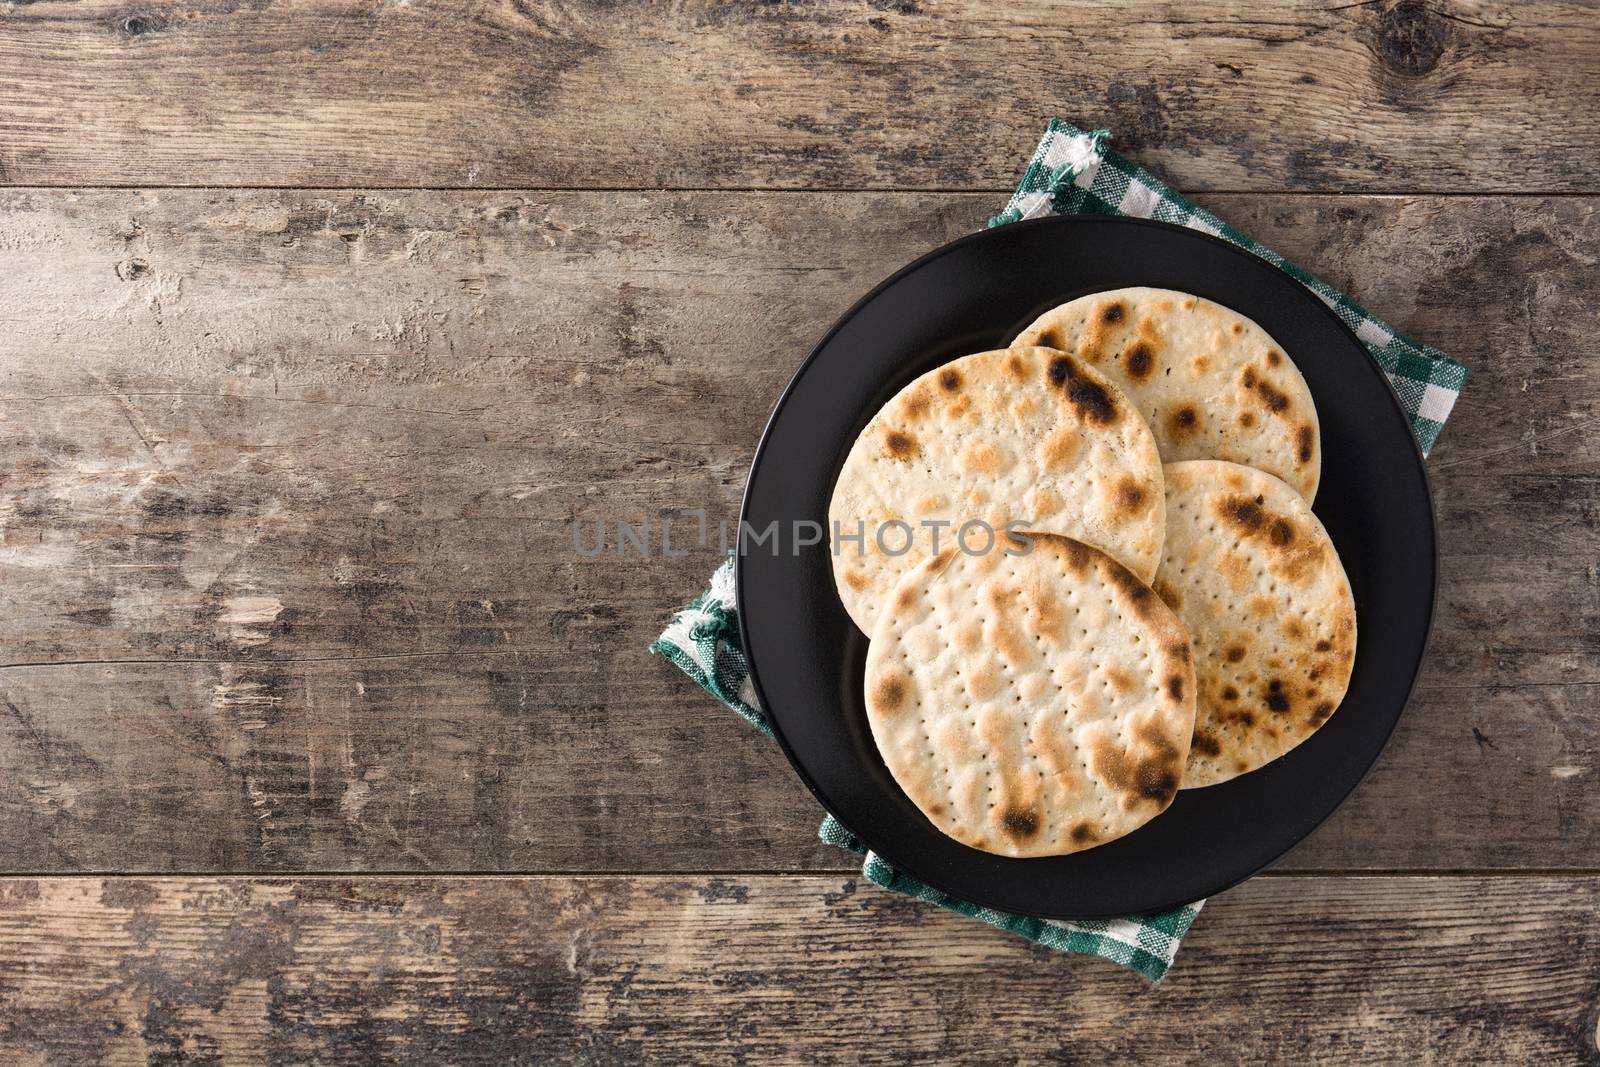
(1251, 572)
(1211, 383)
(1025, 435)
(1031, 705)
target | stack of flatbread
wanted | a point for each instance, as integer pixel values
(1090, 571)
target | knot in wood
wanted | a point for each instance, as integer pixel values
(1411, 39)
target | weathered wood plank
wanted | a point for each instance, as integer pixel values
(326, 451)
(429, 381)
(753, 970)
(569, 760)
(561, 763)
(1389, 95)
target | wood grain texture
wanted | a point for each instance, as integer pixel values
(289, 482)
(1394, 95)
(814, 969)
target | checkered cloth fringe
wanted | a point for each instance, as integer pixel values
(1072, 172)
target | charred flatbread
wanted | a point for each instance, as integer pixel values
(1031, 704)
(1027, 435)
(1256, 580)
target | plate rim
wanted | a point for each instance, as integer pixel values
(1369, 361)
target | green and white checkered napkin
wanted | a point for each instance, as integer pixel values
(1073, 172)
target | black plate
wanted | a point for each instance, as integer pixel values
(806, 656)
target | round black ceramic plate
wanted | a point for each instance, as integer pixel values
(976, 294)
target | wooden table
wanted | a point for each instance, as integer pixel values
(322, 322)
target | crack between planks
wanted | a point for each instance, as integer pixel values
(118, 395)
(399, 876)
(984, 190)
(287, 661)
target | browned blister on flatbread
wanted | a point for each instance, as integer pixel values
(1032, 701)
(1212, 383)
(1259, 585)
(1028, 436)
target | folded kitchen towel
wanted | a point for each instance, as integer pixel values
(1072, 172)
